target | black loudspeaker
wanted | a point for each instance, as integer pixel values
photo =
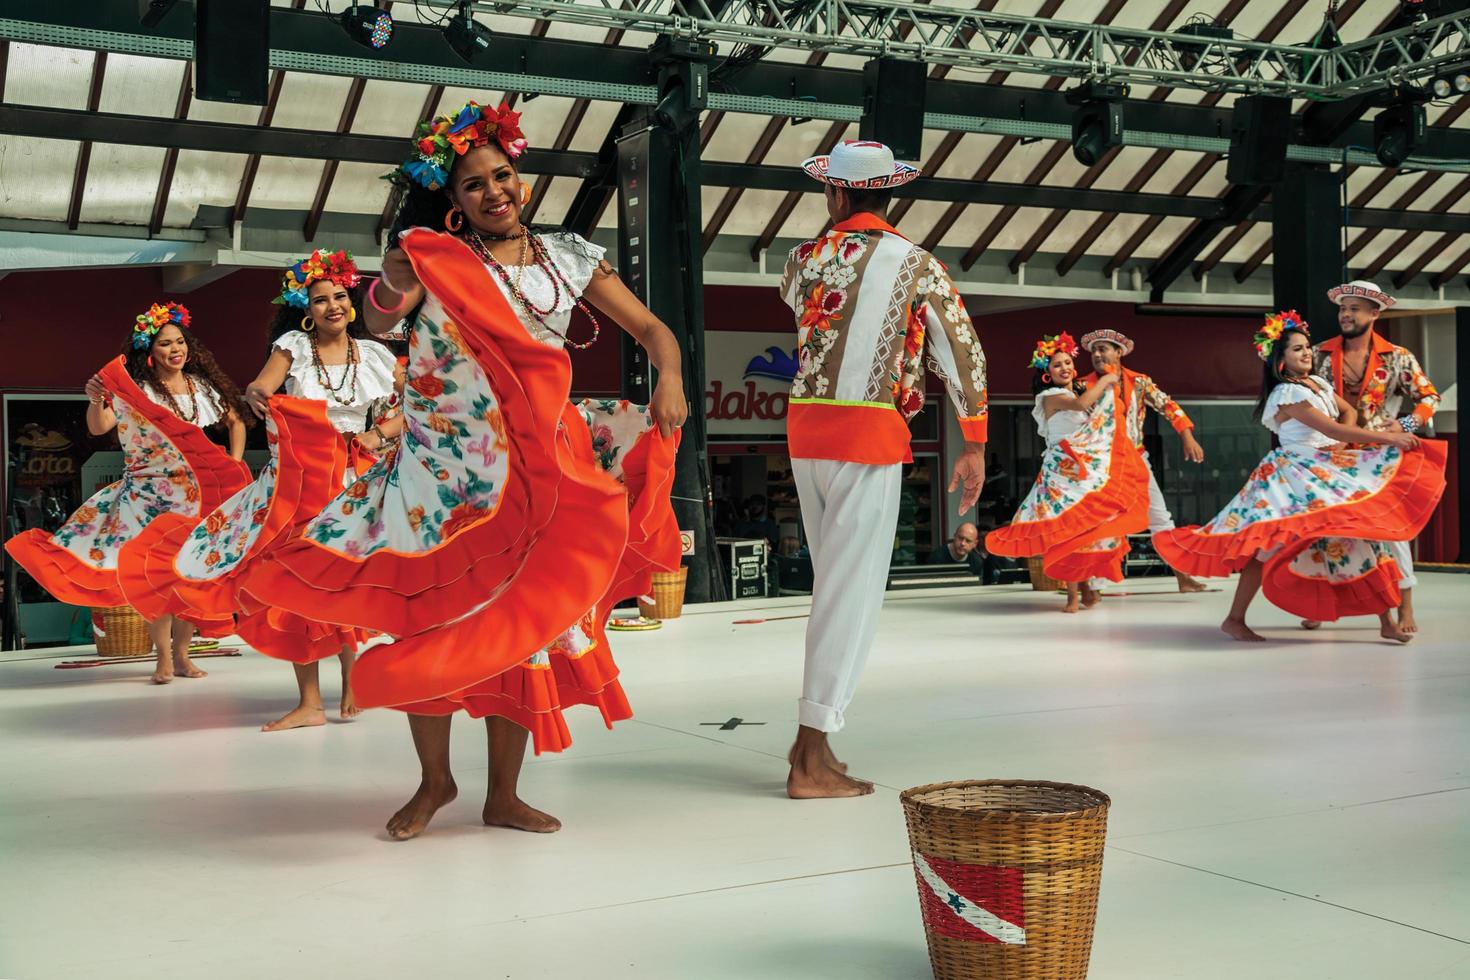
(1260, 131)
(893, 105)
(232, 50)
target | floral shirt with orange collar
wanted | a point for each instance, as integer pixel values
(1393, 379)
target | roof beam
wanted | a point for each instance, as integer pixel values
(1445, 205)
(84, 155)
(1449, 272)
(171, 155)
(789, 202)
(390, 209)
(329, 169)
(1434, 251)
(1408, 197)
(267, 113)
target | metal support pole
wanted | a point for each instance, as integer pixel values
(1306, 223)
(661, 257)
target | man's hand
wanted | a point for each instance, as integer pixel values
(1193, 451)
(969, 472)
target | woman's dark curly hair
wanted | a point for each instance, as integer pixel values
(226, 396)
(1271, 376)
(1077, 386)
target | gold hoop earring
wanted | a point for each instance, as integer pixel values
(454, 220)
(307, 325)
(352, 315)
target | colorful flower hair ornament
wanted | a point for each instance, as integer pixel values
(159, 315)
(335, 267)
(1276, 324)
(1050, 346)
(438, 141)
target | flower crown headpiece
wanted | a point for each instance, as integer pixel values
(1276, 324)
(159, 315)
(335, 267)
(438, 141)
(1049, 347)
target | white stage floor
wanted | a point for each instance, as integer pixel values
(1299, 809)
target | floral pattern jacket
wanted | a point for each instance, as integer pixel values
(872, 311)
(1393, 381)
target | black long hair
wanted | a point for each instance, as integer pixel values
(1038, 385)
(287, 318)
(226, 397)
(1271, 376)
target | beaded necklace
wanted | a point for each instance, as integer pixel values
(349, 371)
(543, 261)
(173, 402)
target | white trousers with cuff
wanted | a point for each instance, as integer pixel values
(850, 514)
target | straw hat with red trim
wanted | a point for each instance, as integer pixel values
(1363, 289)
(1111, 336)
(861, 165)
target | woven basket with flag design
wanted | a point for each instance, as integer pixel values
(1008, 873)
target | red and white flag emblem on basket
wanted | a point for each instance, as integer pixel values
(972, 902)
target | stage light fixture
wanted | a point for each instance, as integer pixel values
(150, 12)
(1449, 86)
(368, 26)
(467, 36)
(1397, 132)
(1097, 122)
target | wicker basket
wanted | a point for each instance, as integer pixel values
(120, 632)
(668, 595)
(1040, 581)
(1008, 874)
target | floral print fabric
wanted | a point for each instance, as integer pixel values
(1393, 380)
(157, 480)
(218, 543)
(1292, 482)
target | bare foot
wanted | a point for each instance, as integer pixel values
(1391, 631)
(300, 716)
(518, 815)
(1311, 624)
(1188, 584)
(186, 667)
(1073, 604)
(413, 818)
(1090, 597)
(1237, 630)
(828, 756)
(164, 674)
(349, 708)
(1406, 620)
(824, 783)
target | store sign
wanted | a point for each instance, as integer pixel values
(749, 379)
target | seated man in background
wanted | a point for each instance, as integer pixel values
(966, 548)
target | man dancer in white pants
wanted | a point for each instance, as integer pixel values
(1139, 393)
(1380, 380)
(869, 305)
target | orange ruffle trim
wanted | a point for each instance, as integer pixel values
(72, 580)
(1114, 510)
(493, 594)
(1398, 511)
(1326, 601)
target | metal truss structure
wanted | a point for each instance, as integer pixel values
(986, 41)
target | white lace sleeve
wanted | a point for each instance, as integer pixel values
(575, 256)
(1038, 411)
(295, 343)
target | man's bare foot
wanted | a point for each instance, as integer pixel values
(1073, 604)
(1237, 630)
(823, 783)
(185, 667)
(1090, 597)
(828, 756)
(1311, 624)
(1189, 584)
(1392, 631)
(1406, 619)
(518, 815)
(414, 816)
(300, 716)
(349, 709)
